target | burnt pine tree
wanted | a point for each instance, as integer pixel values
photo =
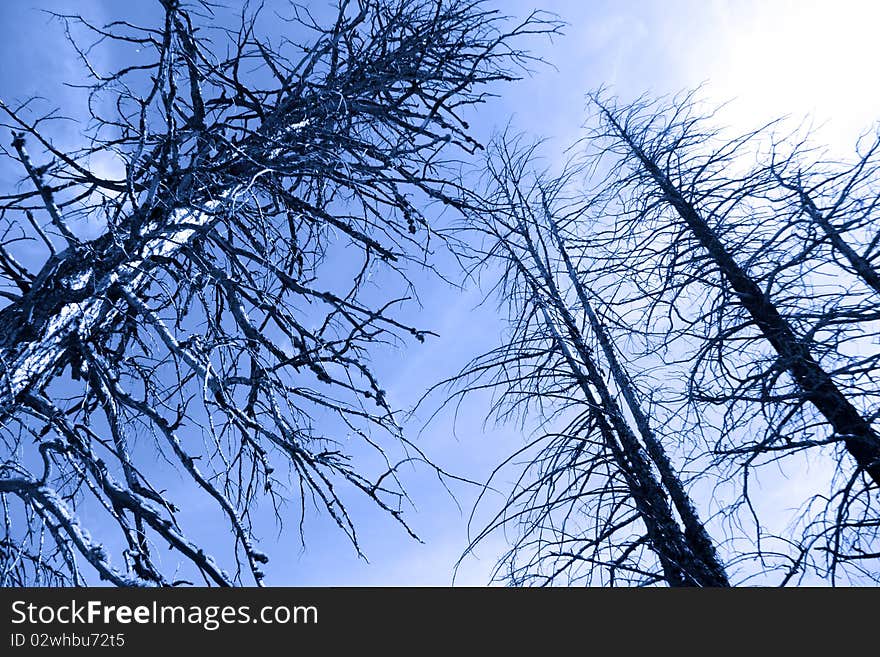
(751, 268)
(699, 544)
(599, 500)
(200, 333)
(849, 425)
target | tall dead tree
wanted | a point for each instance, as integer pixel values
(736, 276)
(696, 537)
(817, 386)
(730, 266)
(600, 500)
(201, 331)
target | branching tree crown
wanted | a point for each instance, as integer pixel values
(686, 301)
(201, 331)
(598, 501)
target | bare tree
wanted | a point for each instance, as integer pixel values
(736, 276)
(203, 330)
(732, 264)
(795, 358)
(593, 502)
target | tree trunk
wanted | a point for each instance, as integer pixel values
(862, 267)
(860, 439)
(699, 541)
(681, 565)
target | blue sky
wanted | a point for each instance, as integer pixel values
(769, 58)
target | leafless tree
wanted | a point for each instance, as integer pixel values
(737, 276)
(599, 500)
(270, 196)
(750, 271)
